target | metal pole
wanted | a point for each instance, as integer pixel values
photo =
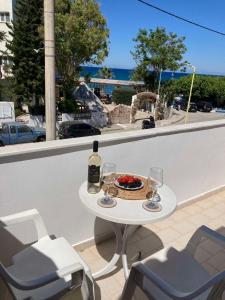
(190, 94)
(160, 77)
(50, 93)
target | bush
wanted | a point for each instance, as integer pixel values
(68, 107)
(18, 112)
(123, 96)
(37, 110)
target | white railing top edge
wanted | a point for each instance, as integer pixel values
(107, 139)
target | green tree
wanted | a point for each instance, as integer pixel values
(87, 77)
(205, 88)
(27, 52)
(5, 90)
(2, 36)
(81, 37)
(105, 73)
(157, 50)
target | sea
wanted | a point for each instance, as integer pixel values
(125, 74)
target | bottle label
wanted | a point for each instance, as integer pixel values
(93, 174)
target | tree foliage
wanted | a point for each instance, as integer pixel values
(205, 88)
(157, 50)
(81, 37)
(27, 55)
(105, 73)
(2, 36)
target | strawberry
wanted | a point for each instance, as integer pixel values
(128, 180)
(137, 179)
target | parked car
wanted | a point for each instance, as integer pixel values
(17, 133)
(147, 124)
(192, 108)
(72, 130)
(204, 106)
(176, 105)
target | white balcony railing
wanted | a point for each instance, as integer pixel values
(47, 175)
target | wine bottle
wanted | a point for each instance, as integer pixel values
(94, 164)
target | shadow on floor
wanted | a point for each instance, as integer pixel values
(148, 243)
(36, 262)
(143, 240)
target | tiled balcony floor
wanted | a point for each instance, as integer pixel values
(174, 231)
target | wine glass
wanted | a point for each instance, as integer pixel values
(108, 178)
(155, 181)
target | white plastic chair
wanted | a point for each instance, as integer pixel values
(48, 268)
(170, 274)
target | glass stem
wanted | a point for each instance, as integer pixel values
(106, 195)
(154, 193)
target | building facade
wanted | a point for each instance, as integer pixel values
(6, 16)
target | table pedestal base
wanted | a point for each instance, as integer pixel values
(120, 251)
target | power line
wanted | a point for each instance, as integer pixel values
(181, 18)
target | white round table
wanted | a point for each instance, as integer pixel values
(128, 212)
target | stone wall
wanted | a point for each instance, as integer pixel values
(119, 114)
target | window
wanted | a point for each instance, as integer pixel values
(7, 17)
(74, 127)
(5, 129)
(4, 16)
(85, 126)
(24, 129)
(4, 60)
(13, 129)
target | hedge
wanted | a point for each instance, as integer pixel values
(123, 96)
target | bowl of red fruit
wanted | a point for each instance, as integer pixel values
(129, 182)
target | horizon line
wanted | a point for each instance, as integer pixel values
(128, 69)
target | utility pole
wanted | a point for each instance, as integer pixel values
(50, 94)
(190, 94)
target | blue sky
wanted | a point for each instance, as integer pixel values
(205, 50)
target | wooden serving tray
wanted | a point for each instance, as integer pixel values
(141, 194)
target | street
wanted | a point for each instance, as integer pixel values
(202, 116)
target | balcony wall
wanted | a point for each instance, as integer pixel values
(47, 176)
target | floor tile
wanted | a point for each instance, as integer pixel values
(175, 232)
(184, 227)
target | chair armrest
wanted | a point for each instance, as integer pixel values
(28, 215)
(41, 281)
(204, 232)
(140, 271)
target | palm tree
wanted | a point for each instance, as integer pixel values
(105, 73)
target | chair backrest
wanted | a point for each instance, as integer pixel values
(217, 291)
(212, 242)
(214, 285)
(5, 282)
